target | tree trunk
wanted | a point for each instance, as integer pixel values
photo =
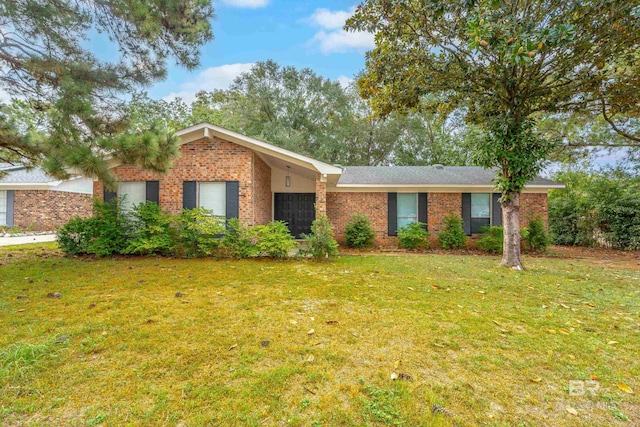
(511, 225)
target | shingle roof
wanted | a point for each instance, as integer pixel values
(423, 175)
(21, 175)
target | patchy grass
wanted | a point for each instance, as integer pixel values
(471, 344)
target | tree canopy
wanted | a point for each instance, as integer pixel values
(46, 64)
(507, 62)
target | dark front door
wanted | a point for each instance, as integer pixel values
(297, 210)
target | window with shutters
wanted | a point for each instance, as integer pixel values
(480, 211)
(3, 207)
(407, 209)
(213, 196)
(133, 193)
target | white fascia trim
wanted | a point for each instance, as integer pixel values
(29, 185)
(264, 147)
(457, 186)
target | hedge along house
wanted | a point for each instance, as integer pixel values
(241, 177)
(31, 199)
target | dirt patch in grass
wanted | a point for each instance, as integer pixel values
(374, 340)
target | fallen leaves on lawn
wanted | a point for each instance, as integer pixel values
(232, 347)
(624, 387)
(571, 410)
(535, 380)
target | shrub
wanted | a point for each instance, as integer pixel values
(321, 243)
(236, 243)
(413, 236)
(491, 239)
(198, 232)
(151, 231)
(535, 235)
(452, 236)
(272, 240)
(104, 234)
(75, 235)
(359, 232)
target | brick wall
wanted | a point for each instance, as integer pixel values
(533, 204)
(340, 207)
(44, 210)
(439, 205)
(209, 159)
(261, 191)
(321, 196)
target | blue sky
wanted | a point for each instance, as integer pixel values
(298, 33)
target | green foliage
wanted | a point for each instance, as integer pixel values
(504, 63)
(74, 237)
(535, 235)
(321, 243)
(75, 115)
(359, 231)
(383, 406)
(413, 236)
(198, 232)
(491, 239)
(103, 234)
(596, 208)
(151, 231)
(19, 358)
(236, 242)
(452, 235)
(272, 240)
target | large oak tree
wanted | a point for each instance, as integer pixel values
(47, 63)
(505, 62)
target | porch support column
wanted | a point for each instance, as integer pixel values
(321, 194)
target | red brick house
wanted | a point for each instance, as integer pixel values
(238, 176)
(31, 199)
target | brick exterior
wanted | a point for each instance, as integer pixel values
(210, 159)
(439, 205)
(44, 210)
(262, 213)
(340, 207)
(321, 196)
(532, 204)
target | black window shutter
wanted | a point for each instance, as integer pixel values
(109, 195)
(466, 213)
(189, 194)
(392, 214)
(496, 219)
(233, 199)
(153, 191)
(10, 202)
(422, 209)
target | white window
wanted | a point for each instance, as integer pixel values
(3, 207)
(213, 196)
(480, 205)
(407, 209)
(134, 193)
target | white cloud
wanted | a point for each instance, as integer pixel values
(345, 81)
(332, 37)
(212, 78)
(330, 20)
(249, 4)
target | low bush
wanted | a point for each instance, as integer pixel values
(413, 236)
(236, 242)
(491, 239)
(535, 235)
(321, 243)
(272, 240)
(452, 235)
(105, 233)
(151, 231)
(198, 232)
(359, 232)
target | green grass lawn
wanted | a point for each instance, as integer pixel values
(491, 346)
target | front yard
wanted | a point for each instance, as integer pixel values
(173, 342)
